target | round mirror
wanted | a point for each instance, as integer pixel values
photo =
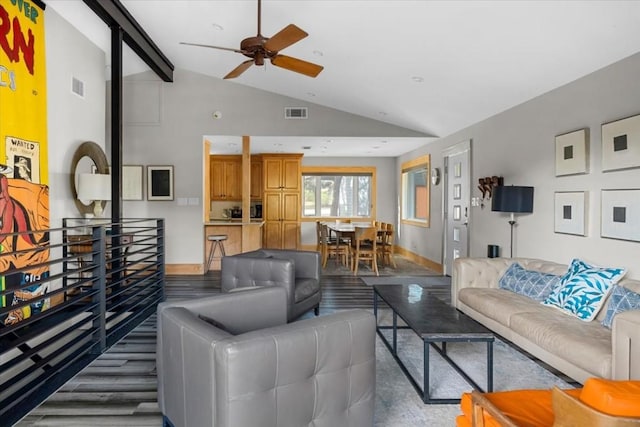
(88, 158)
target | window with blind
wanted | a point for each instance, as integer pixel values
(335, 193)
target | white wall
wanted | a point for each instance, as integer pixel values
(519, 145)
(71, 119)
(172, 134)
(386, 194)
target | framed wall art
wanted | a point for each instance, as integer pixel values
(621, 144)
(159, 182)
(572, 153)
(620, 214)
(570, 212)
(131, 182)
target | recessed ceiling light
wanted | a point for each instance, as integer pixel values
(311, 94)
(384, 141)
(375, 147)
(417, 79)
(382, 113)
(318, 53)
(217, 27)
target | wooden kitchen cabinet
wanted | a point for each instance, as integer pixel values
(256, 178)
(281, 212)
(281, 176)
(282, 172)
(226, 177)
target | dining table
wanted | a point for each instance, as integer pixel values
(345, 231)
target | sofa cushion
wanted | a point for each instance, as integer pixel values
(618, 398)
(583, 289)
(621, 299)
(497, 304)
(532, 284)
(583, 344)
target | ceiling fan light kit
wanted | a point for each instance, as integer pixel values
(259, 48)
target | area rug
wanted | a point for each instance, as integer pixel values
(334, 268)
(398, 404)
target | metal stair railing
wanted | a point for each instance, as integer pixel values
(95, 282)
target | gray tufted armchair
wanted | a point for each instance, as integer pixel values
(298, 272)
(232, 361)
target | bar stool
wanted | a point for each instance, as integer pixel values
(216, 242)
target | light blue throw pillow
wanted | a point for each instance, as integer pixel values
(583, 289)
(621, 299)
(532, 284)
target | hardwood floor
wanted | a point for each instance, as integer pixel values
(119, 388)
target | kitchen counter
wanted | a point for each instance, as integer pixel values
(234, 221)
(241, 237)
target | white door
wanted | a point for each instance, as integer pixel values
(457, 181)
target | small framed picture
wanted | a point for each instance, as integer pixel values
(570, 212)
(620, 214)
(160, 182)
(621, 144)
(572, 153)
(132, 182)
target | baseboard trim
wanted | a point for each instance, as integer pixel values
(420, 260)
(186, 269)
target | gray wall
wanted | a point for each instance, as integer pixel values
(173, 133)
(71, 119)
(519, 145)
(386, 194)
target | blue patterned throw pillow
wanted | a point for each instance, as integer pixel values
(583, 289)
(621, 299)
(532, 284)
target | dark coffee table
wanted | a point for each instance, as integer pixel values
(434, 322)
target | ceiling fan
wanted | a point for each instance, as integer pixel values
(259, 48)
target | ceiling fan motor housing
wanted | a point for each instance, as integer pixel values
(253, 47)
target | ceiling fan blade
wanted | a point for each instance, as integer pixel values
(213, 47)
(239, 69)
(286, 37)
(297, 65)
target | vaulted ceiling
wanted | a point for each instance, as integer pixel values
(431, 66)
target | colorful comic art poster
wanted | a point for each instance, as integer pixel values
(24, 191)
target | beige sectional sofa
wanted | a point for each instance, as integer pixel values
(577, 348)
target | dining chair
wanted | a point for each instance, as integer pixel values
(386, 248)
(331, 246)
(364, 247)
(344, 239)
(318, 237)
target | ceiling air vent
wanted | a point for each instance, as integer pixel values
(77, 87)
(295, 113)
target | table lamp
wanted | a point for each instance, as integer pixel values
(514, 200)
(96, 188)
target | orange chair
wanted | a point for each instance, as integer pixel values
(600, 403)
